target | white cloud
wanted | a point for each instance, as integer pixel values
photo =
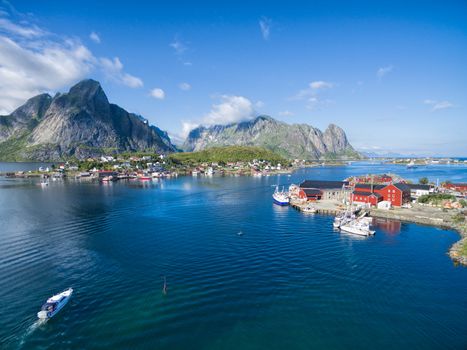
(381, 72)
(313, 88)
(178, 46)
(317, 85)
(26, 30)
(231, 109)
(187, 127)
(157, 93)
(312, 94)
(33, 60)
(265, 27)
(184, 86)
(113, 69)
(95, 37)
(259, 104)
(25, 72)
(286, 113)
(438, 105)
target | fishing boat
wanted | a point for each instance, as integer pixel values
(54, 304)
(343, 218)
(280, 197)
(411, 165)
(357, 228)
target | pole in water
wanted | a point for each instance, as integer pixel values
(164, 288)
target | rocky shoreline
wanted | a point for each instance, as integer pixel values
(433, 217)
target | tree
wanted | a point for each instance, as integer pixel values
(423, 181)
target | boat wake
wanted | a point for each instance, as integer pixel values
(31, 329)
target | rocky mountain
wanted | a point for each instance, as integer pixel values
(289, 140)
(80, 123)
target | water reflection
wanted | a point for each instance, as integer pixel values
(389, 226)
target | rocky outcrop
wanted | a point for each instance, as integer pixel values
(80, 123)
(289, 140)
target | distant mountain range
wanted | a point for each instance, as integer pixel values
(389, 154)
(81, 123)
(291, 141)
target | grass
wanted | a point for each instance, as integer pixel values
(435, 198)
(13, 148)
(228, 154)
(463, 249)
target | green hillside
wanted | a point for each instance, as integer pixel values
(228, 154)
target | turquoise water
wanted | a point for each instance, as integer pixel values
(289, 281)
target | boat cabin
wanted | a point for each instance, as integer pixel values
(49, 307)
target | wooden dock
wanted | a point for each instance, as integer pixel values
(322, 207)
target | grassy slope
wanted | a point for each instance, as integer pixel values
(229, 154)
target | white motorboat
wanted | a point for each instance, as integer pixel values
(310, 209)
(54, 304)
(357, 228)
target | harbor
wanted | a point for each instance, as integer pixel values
(355, 201)
(132, 233)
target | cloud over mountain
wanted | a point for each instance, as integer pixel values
(34, 60)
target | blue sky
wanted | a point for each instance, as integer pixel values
(392, 74)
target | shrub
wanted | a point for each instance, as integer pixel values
(435, 198)
(423, 181)
(458, 218)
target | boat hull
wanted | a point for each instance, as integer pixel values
(356, 230)
(281, 203)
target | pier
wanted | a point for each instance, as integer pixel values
(325, 207)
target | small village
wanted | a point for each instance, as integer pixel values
(356, 201)
(144, 168)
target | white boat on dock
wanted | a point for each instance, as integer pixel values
(54, 304)
(358, 228)
(309, 209)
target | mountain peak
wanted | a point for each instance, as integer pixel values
(87, 90)
(81, 123)
(35, 107)
(291, 141)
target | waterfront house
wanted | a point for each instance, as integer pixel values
(458, 187)
(330, 190)
(377, 179)
(367, 198)
(310, 194)
(397, 194)
(417, 190)
(104, 173)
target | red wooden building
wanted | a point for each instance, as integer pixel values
(383, 179)
(459, 187)
(311, 194)
(366, 197)
(397, 194)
